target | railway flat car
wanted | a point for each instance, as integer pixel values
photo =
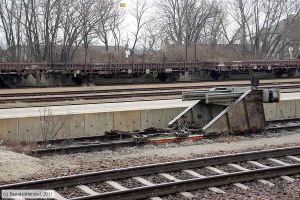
(11, 74)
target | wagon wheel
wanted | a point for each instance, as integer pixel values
(215, 75)
(77, 80)
(11, 80)
(154, 74)
(291, 73)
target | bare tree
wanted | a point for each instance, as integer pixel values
(184, 21)
(262, 25)
(152, 35)
(10, 14)
(116, 29)
(51, 23)
(1, 53)
(88, 18)
(107, 14)
(139, 14)
(71, 30)
(32, 27)
(57, 30)
(213, 29)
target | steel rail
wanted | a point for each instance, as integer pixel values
(284, 85)
(80, 139)
(282, 127)
(283, 120)
(194, 184)
(116, 144)
(94, 96)
(114, 174)
(85, 148)
(277, 128)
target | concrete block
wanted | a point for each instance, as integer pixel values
(172, 113)
(297, 108)
(157, 118)
(144, 119)
(286, 109)
(237, 118)
(127, 120)
(30, 129)
(71, 126)
(98, 123)
(270, 111)
(9, 129)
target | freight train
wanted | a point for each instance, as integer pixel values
(12, 74)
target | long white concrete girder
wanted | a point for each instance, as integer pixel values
(31, 124)
(283, 110)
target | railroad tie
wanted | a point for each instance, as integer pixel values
(116, 185)
(195, 174)
(172, 178)
(279, 162)
(263, 181)
(287, 178)
(294, 158)
(257, 164)
(240, 185)
(86, 190)
(147, 183)
(58, 196)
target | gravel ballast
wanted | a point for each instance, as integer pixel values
(62, 165)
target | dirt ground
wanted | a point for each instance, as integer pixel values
(19, 167)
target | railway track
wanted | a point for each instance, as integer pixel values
(36, 97)
(179, 177)
(99, 143)
(140, 87)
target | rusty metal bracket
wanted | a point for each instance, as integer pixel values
(236, 110)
